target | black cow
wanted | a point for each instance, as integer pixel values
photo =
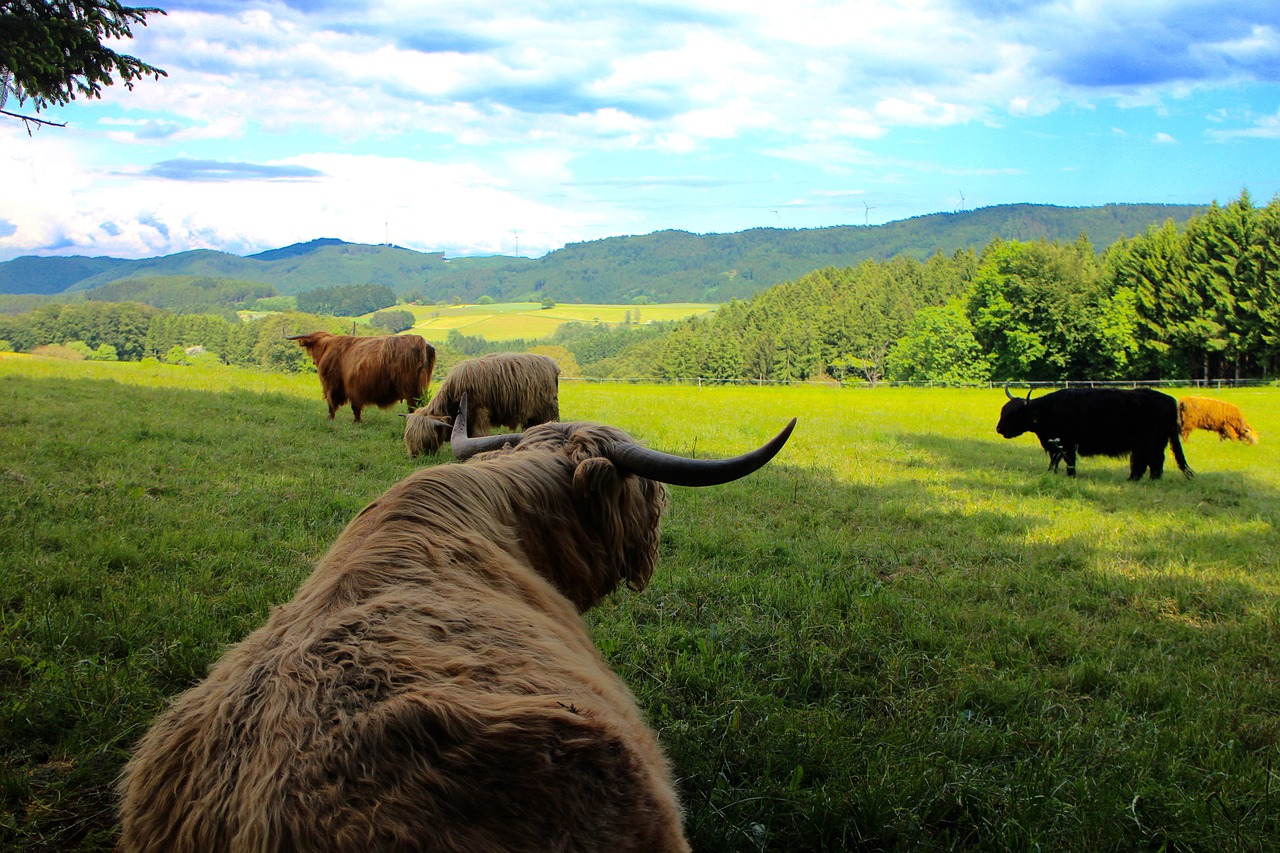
(1073, 422)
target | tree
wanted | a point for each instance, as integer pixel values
(1151, 265)
(50, 52)
(1264, 261)
(940, 347)
(1035, 308)
(393, 320)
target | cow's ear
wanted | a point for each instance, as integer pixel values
(623, 510)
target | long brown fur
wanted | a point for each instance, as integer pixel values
(370, 371)
(1214, 416)
(511, 389)
(432, 686)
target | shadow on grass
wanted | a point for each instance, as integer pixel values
(967, 653)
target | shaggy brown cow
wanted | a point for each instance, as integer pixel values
(512, 389)
(432, 686)
(370, 371)
(1215, 416)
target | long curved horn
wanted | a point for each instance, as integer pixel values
(1006, 391)
(464, 446)
(636, 459)
(681, 471)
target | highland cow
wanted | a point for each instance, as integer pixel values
(1215, 416)
(432, 685)
(1138, 423)
(512, 389)
(370, 371)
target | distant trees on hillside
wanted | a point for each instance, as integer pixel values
(130, 331)
(1198, 303)
(1203, 303)
(824, 323)
(347, 301)
(392, 320)
(183, 294)
(122, 325)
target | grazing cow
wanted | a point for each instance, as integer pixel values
(370, 371)
(1215, 416)
(512, 389)
(1073, 422)
(432, 686)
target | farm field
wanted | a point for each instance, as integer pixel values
(510, 320)
(902, 634)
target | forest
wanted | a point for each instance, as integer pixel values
(1196, 302)
(665, 266)
(1202, 302)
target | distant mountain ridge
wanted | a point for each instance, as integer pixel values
(665, 266)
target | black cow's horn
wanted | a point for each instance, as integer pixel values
(1011, 397)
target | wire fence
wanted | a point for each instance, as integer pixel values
(1214, 384)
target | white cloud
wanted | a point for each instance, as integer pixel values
(484, 112)
(1264, 127)
(359, 198)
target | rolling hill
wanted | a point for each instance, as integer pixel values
(665, 266)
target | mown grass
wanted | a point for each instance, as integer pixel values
(902, 634)
(507, 321)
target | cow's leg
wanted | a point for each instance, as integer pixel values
(1070, 453)
(355, 410)
(1156, 463)
(1139, 462)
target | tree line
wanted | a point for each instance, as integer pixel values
(1198, 303)
(132, 331)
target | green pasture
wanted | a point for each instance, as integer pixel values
(529, 320)
(902, 634)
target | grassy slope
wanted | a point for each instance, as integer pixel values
(901, 634)
(510, 320)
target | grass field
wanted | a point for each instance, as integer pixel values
(510, 320)
(902, 634)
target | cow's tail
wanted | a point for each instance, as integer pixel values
(1176, 444)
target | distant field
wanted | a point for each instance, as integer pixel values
(510, 320)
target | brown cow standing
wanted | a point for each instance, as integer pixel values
(512, 389)
(1214, 416)
(370, 371)
(432, 685)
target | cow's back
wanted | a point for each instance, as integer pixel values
(478, 717)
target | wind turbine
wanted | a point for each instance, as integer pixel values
(866, 213)
(962, 199)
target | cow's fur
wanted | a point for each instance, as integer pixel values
(370, 371)
(1138, 423)
(1215, 416)
(432, 686)
(511, 389)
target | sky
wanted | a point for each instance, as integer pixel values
(482, 128)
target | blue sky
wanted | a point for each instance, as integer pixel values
(497, 128)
